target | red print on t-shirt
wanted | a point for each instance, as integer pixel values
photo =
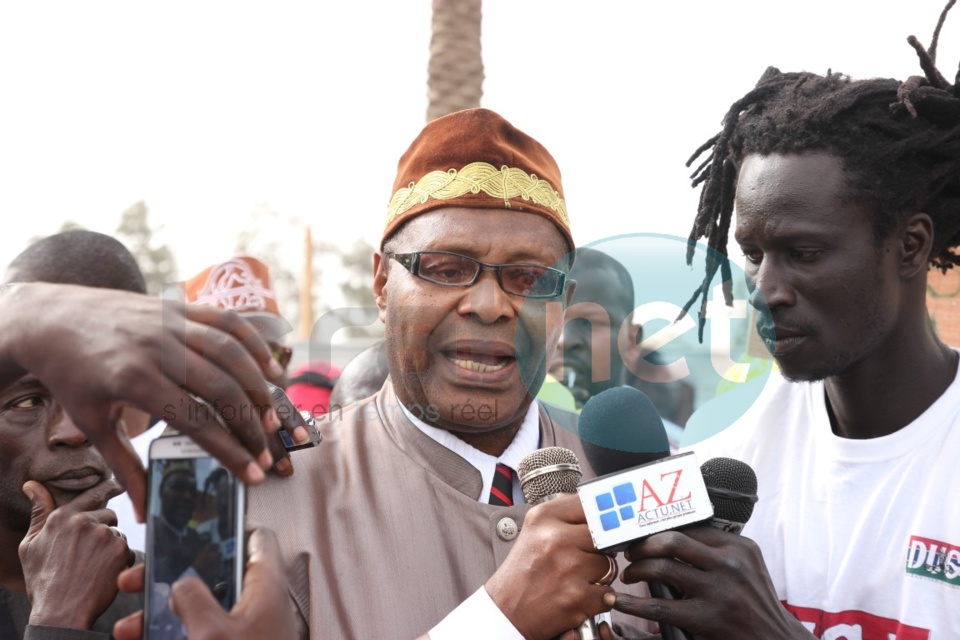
(854, 625)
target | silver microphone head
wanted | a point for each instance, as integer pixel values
(548, 472)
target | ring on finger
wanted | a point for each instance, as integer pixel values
(611, 573)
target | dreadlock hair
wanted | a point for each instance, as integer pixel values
(898, 143)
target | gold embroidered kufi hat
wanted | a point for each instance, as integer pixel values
(474, 158)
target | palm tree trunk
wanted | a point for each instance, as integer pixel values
(456, 64)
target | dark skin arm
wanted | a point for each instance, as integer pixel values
(727, 590)
(67, 546)
(263, 611)
(547, 584)
(96, 349)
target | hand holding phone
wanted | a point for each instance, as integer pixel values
(298, 430)
(195, 522)
(263, 611)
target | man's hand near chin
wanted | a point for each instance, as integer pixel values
(71, 556)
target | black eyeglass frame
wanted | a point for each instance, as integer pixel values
(411, 262)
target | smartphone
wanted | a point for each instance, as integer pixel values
(195, 519)
(291, 418)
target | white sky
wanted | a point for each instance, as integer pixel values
(208, 110)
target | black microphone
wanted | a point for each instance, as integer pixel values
(546, 474)
(732, 487)
(620, 428)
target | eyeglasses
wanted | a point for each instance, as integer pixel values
(454, 270)
(281, 354)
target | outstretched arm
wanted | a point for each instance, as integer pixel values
(96, 349)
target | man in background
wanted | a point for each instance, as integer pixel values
(599, 344)
(55, 532)
(85, 258)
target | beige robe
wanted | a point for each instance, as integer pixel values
(380, 526)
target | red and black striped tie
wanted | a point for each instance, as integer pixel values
(501, 493)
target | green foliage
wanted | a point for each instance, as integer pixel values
(156, 261)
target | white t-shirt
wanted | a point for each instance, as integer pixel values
(861, 537)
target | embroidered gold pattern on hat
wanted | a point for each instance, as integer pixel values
(476, 177)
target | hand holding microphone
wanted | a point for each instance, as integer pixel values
(642, 490)
(727, 589)
(732, 487)
(706, 582)
(709, 582)
(548, 583)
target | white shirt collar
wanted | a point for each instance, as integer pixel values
(526, 441)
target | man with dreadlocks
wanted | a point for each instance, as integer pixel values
(846, 192)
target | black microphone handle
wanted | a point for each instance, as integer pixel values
(664, 592)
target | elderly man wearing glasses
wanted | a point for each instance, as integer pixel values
(408, 519)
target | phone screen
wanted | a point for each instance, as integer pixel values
(194, 525)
